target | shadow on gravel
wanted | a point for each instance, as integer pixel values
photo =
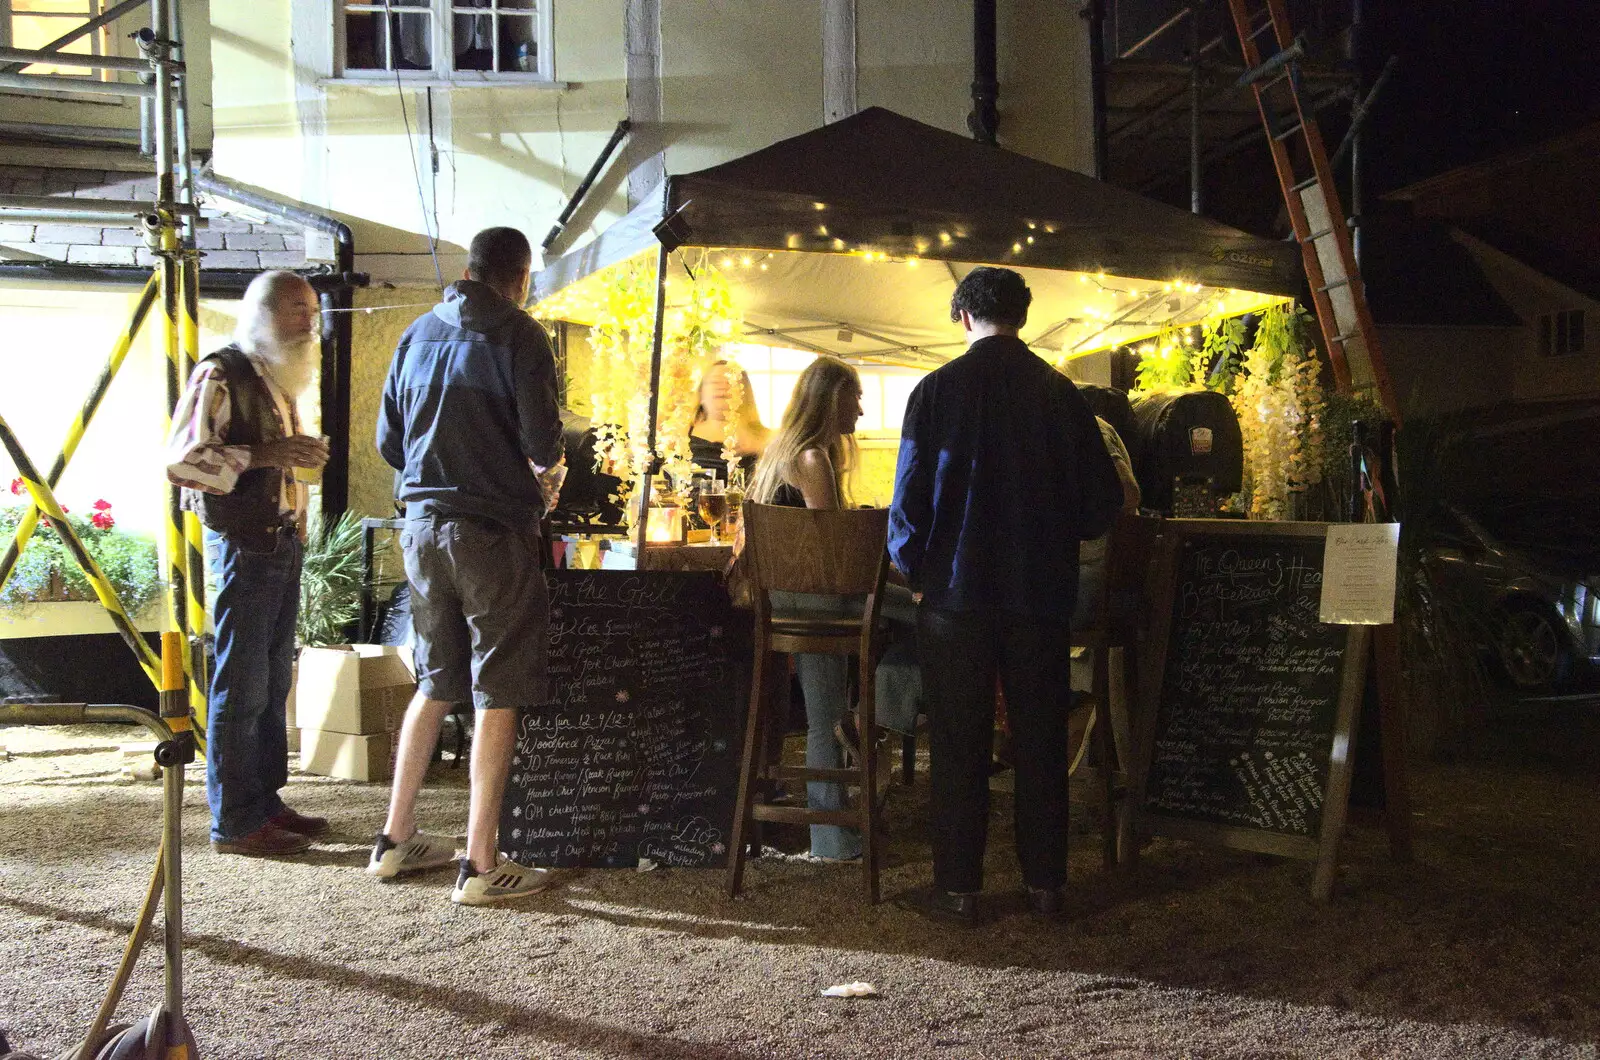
(410, 993)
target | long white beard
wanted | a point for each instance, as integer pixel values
(291, 363)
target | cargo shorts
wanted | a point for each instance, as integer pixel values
(480, 612)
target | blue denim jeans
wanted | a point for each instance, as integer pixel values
(824, 683)
(247, 752)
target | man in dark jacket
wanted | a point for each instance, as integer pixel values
(470, 419)
(1001, 473)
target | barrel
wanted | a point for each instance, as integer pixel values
(1185, 437)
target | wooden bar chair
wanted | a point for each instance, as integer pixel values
(1128, 556)
(801, 550)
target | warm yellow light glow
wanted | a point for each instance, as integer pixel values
(819, 206)
(944, 237)
(1016, 248)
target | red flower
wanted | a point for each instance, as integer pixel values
(102, 506)
(102, 521)
(17, 487)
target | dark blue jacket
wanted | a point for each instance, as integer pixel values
(1002, 472)
(470, 400)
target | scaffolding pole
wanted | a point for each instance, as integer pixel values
(169, 225)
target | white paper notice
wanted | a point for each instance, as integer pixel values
(1358, 574)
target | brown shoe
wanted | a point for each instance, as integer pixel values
(268, 841)
(299, 823)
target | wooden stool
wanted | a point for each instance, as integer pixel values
(831, 553)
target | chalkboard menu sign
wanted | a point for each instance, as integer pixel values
(636, 755)
(1249, 723)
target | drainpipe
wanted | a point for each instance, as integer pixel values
(984, 121)
(336, 325)
(1095, 12)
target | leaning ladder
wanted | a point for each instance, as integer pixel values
(1320, 226)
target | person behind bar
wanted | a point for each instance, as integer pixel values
(807, 466)
(471, 421)
(1001, 473)
(235, 439)
(722, 423)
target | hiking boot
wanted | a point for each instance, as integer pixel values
(504, 882)
(422, 851)
(268, 841)
(299, 823)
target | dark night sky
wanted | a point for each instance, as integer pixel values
(1476, 78)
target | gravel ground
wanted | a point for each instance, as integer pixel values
(1484, 947)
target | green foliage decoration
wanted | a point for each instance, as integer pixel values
(45, 567)
(330, 581)
(1222, 352)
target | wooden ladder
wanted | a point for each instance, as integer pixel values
(1320, 226)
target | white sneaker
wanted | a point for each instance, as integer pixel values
(505, 881)
(421, 851)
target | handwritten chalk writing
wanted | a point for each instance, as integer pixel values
(1245, 722)
(636, 753)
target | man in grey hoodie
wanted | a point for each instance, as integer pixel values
(470, 420)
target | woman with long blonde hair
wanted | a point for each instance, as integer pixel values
(808, 461)
(726, 420)
(808, 465)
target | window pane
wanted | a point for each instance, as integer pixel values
(474, 35)
(78, 9)
(780, 391)
(519, 44)
(363, 41)
(896, 392)
(401, 40)
(413, 41)
(35, 23)
(871, 403)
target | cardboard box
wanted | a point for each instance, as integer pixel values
(358, 689)
(348, 756)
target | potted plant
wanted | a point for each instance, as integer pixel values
(46, 572)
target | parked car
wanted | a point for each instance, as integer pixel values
(1542, 614)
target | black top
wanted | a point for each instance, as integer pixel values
(1002, 469)
(708, 455)
(789, 496)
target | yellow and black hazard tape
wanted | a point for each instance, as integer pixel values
(193, 536)
(44, 499)
(91, 404)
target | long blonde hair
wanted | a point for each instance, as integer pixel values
(810, 422)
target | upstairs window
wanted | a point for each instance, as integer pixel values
(32, 24)
(448, 40)
(1561, 334)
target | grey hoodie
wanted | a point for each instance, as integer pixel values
(469, 402)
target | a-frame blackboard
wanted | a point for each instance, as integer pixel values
(1248, 702)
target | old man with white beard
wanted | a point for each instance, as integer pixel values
(236, 440)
